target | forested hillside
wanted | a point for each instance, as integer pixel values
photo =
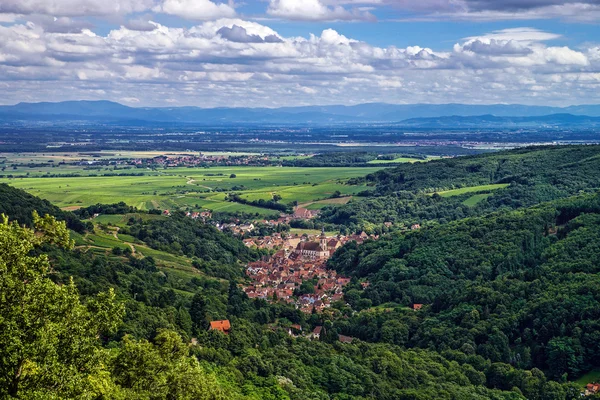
(19, 205)
(510, 304)
(568, 168)
(519, 287)
(451, 189)
(55, 345)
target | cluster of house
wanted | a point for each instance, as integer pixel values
(290, 243)
(193, 160)
(592, 389)
(242, 228)
(298, 260)
(204, 215)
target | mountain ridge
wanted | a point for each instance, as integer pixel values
(112, 112)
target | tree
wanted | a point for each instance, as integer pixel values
(50, 343)
(564, 356)
(163, 370)
(198, 312)
(233, 176)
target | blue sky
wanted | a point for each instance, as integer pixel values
(299, 52)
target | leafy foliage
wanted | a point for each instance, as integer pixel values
(520, 288)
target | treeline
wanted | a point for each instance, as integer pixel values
(108, 209)
(520, 288)
(343, 159)
(262, 203)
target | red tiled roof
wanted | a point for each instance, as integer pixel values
(223, 325)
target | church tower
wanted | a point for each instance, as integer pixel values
(323, 240)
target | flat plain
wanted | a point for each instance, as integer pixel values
(190, 188)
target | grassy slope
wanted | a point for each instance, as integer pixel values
(102, 241)
(472, 189)
(476, 199)
(590, 377)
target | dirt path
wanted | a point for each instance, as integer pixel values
(193, 182)
(116, 236)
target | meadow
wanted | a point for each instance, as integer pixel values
(473, 189)
(195, 188)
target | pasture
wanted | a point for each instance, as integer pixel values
(196, 188)
(472, 189)
(476, 199)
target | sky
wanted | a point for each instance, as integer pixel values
(272, 53)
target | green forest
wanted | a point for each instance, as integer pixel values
(446, 190)
(509, 287)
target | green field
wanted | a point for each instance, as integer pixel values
(476, 199)
(195, 188)
(472, 189)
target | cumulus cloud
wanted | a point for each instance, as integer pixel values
(73, 8)
(490, 10)
(231, 61)
(239, 34)
(315, 10)
(140, 24)
(196, 9)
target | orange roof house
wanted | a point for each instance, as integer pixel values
(417, 307)
(592, 388)
(345, 339)
(223, 326)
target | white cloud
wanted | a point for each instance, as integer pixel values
(518, 35)
(196, 9)
(73, 8)
(315, 10)
(228, 62)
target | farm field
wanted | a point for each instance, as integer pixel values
(475, 199)
(196, 188)
(472, 189)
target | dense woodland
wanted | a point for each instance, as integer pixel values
(510, 290)
(520, 288)
(406, 194)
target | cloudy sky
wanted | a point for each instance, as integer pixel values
(273, 53)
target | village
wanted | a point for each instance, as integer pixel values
(297, 273)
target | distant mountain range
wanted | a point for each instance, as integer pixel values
(415, 115)
(492, 121)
